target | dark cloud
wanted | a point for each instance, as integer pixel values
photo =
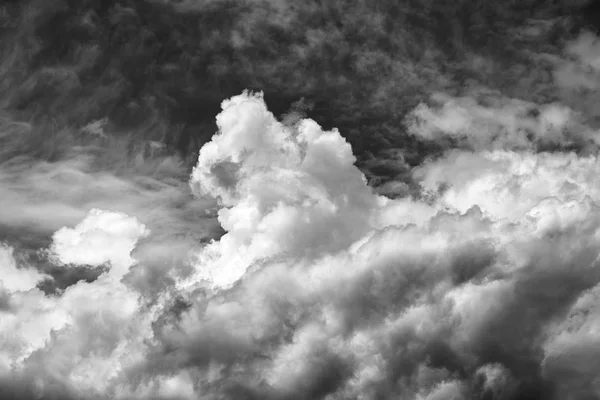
(163, 67)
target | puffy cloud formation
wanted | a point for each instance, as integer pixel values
(82, 339)
(284, 190)
(102, 237)
(484, 286)
(456, 297)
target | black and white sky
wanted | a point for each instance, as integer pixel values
(285, 200)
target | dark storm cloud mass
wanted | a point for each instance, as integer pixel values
(164, 67)
(141, 257)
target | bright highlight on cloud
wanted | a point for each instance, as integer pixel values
(102, 237)
(482, 287)
(289, 191)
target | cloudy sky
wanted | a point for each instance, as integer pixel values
(269, 199)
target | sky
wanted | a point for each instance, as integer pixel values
(264, 199)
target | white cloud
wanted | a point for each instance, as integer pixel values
(284, 190)
(102, 237)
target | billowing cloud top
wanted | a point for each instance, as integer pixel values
(284, 190)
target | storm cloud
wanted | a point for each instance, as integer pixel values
(267, 200)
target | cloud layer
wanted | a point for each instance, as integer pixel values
(275, 267)
(483, 286)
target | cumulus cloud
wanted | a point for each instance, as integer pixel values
(284, 190)
(81, 339)
(452, 302)
(482, 286)
(102, 237)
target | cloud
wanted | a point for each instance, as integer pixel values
(582, 71)
(468, 287)
(413, 306)
(80, 338)
(284, 190)
(16, 279)
(274, 271)
(39, 197)
(495, 122)
(482, 286)
(570, 351)
(102, 237)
